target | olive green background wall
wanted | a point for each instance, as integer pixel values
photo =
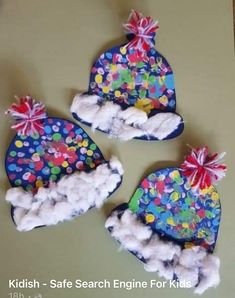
(46, 50)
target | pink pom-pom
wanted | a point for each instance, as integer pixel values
(143, 29)
(202, 168)
(28, 115)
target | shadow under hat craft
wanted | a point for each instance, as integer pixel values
(57, 172)
(131, 92)
(55, 169)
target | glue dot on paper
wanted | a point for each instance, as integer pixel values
(19, 144)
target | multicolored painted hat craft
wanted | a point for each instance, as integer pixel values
(171, 222)
(131, 93)
(55, 169)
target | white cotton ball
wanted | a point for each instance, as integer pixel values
(127, 132)
(100, 201)
(130, 232)
(81, 205)
(117, 125)
(35, 206)
(163, 250)
(102, 195)
(85, 106)
(80, 177)
(133, 116)
(119, 232)
(64, 182)
(19, 198)
(18, 214)
(104, 117)
(113, 181)
(141, 231)
(112, 220)
(161, 125)
(45, 212)
(187, 275)
(156, 265)
(128, 218)
(209, 274)
(42, 194)
(115, 164)
(63, 211)
(131, 243)
(101, 175)
(30, 221)
(150, 247)
(191, 257)
(92, 194)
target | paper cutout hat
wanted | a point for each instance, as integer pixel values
(172, 221)
(131, 92)
(55, 169)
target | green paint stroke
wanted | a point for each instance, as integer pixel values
(134, 202)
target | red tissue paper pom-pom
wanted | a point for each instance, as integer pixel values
(28, 115)
(202, 168)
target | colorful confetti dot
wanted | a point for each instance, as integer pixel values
(98, 78)
(149, 218)
(56, 136)
(19, 144)
(55, 170)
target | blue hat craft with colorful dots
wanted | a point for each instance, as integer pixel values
(55, 169)
(131, 91)
(171, 222)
